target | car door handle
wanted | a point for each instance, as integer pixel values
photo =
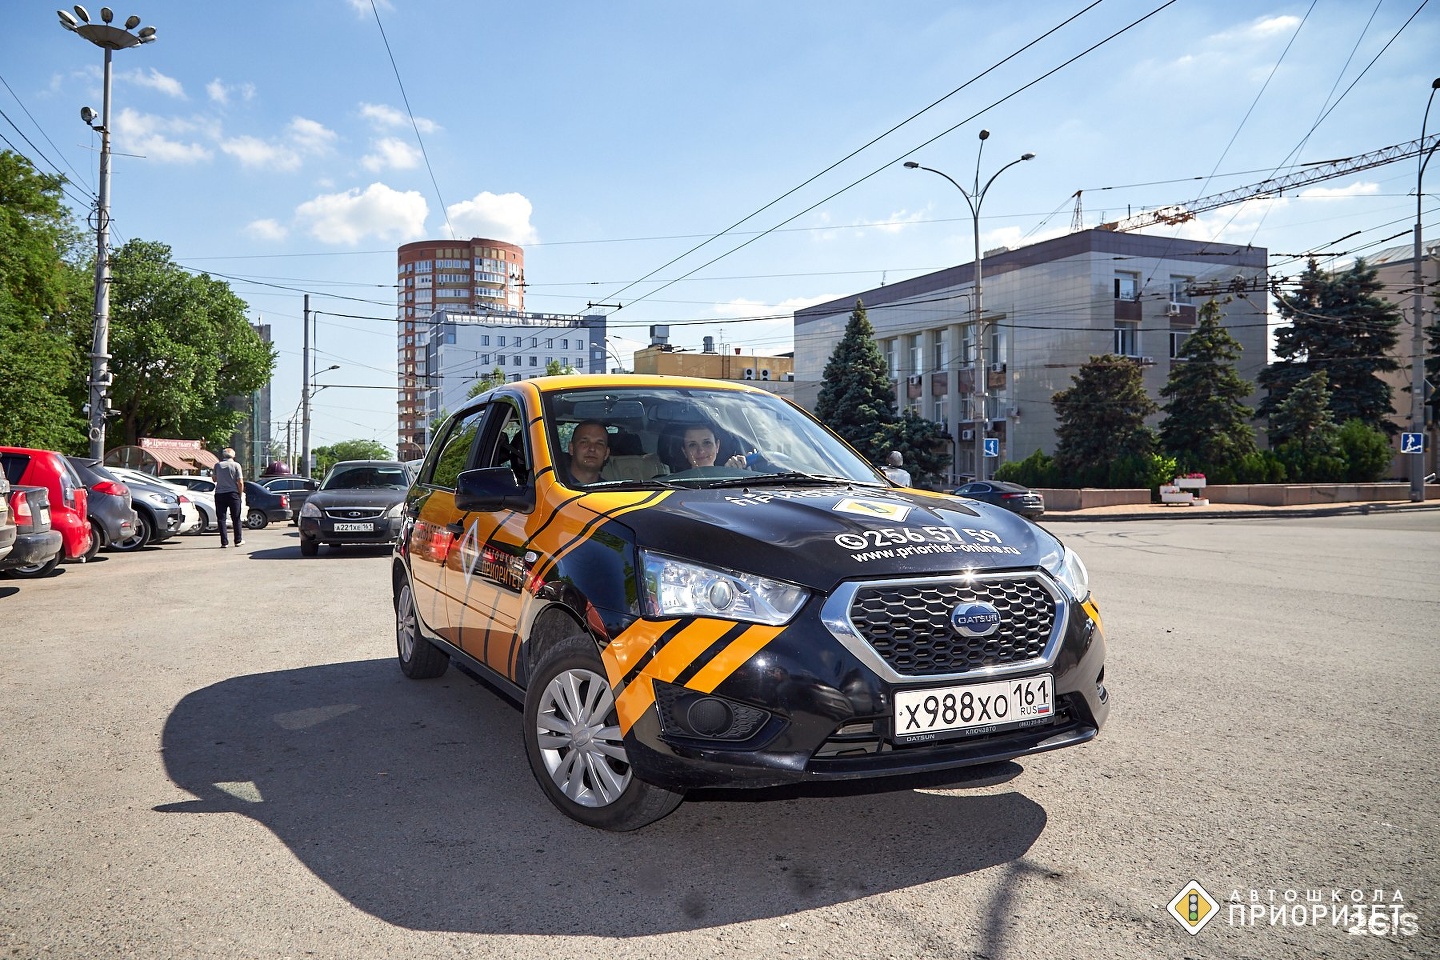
(456, 529)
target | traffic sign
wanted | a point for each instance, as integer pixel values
(992, 446)
(1409, 443)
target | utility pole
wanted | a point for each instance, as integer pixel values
(304, 470)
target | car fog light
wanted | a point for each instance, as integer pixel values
(709, 717)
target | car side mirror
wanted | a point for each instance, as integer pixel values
(488, 489)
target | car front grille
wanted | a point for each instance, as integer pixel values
(905, 624)
(354, 513)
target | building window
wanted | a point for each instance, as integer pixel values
(500, 359)
(967, 345)
(485, 340)
(534, 361)
(917, 353)
(1127, 285)
(1177, 340)
(1180, 289)
(942, 350)
(1127, 338)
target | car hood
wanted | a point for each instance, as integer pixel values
(819, 536)
(368, 497)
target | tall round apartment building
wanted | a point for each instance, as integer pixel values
(475, 275)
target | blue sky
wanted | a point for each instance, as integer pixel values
(270, 143)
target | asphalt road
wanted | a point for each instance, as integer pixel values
(211, 753)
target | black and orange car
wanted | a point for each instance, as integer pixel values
(737, 599)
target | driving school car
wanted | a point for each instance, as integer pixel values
(669, 626)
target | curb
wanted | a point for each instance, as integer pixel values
(1245, 514)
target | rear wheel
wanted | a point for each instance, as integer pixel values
(419, 658)
(144, 530)
(34, 570)
(256, 519)
(575, 748)
(97, 540)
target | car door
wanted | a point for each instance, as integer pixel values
(436, 532)
(487, 573)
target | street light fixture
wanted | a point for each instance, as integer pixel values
(1417, 353)
(975, 197)
(109, 38)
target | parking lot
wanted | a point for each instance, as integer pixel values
(211, 753)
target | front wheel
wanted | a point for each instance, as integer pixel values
(256, 519)
(575, 748)
(144, 530)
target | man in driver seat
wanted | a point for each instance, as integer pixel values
(589, 449)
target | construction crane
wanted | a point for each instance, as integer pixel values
(1181, 212)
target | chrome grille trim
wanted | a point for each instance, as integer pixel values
(354, 513)
(836, 615)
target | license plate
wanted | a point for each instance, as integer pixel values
(973, 708)
(45, 516)
(354, 528)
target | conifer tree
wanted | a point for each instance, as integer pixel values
(1207, 425)
(857, 399)
(1339, 324)
(1102, 420)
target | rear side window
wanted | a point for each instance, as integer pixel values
(15, 464)
(456, 449)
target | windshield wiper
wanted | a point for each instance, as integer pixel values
(790, 478)
(653, 484)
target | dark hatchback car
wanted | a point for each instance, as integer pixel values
(1011, 496)
(297, 489)
(38, 547)
(112, 515)
(361, 501)
(263, 507)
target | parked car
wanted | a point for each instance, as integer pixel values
(112, 517)
(7, 522)
(204, 502)
(69, 500)
(38, 547)
(298, 489)
(795, 620)
(360, 501)
(1011, 496)
(159, 514)
(263, 508)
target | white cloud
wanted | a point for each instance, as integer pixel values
(303, 138)
(1361, 189)
(269, 230)
(377, 212)
(385, 117)
(392, 153)
(500, 217)
(156, 80)
(221, 92)
(362, 7)
(158, 138)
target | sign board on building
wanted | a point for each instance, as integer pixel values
(992, 446)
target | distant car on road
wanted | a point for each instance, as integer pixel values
(112, 516)
(296, 488)
(361, 501)
(1011, 496)
(263, 508)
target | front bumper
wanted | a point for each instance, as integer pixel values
(33, 548)
(826, 715)
(322, 529)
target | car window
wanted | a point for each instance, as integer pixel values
(455, 450)
(368, 477)
(504, 442)
(15, 464)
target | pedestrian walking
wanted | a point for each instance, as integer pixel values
(893, 470)
(229, 482)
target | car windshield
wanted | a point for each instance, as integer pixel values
(697, 437)
(381, 477)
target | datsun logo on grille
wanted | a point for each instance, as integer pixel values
(974, 620)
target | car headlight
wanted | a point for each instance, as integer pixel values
(1067, 567)
(395, 512)
(310, 510)
(677, 588)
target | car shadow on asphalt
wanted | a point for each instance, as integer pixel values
(355, 551)
(8, 592)
(415, 803)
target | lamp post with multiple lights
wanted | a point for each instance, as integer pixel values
(1417, 357)
(975, 197)
(109, 38)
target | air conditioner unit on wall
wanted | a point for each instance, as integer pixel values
(1174, 309)
(967, 434)
(997, 367)
(749, 373)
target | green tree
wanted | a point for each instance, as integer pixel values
(1311, 451)
(327, 457)
(1102, 439)
(1341, 325)
(556, 368)
(857, 400)
(43, 295)
(493, 379)
(1432, 363)
(1207, 425)
(180, 345)
(925, 446)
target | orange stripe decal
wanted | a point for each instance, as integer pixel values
(635, 699)
(626, 650)
(744, 647)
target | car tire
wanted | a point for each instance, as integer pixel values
(144, 530)
(97, 540)
(256, 519)
(308, 547)
(34, 571)
(590, 781)
(419, 658)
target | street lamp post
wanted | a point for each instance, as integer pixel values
(975, 197)
(307, 394)
(1417, 354)
(108, 38)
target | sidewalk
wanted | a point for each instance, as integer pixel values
(1232, 511)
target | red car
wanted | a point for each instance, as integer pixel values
(69, 506)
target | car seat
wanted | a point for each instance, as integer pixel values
(629, 461)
